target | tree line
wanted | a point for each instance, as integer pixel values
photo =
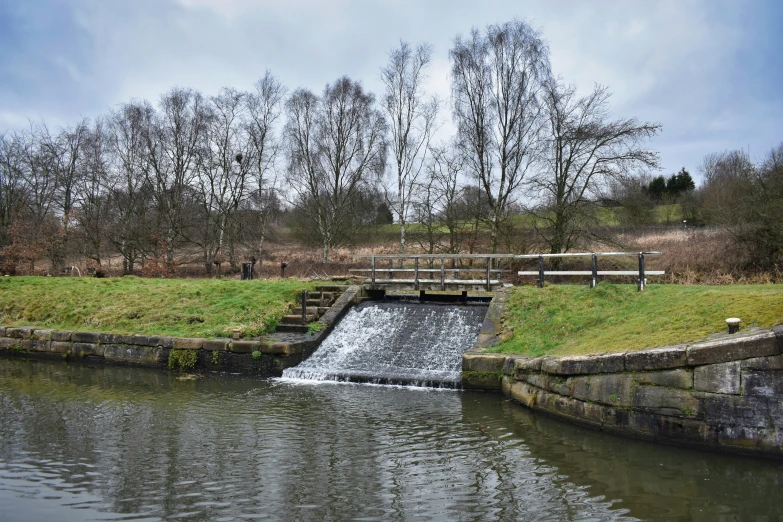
(203, 175)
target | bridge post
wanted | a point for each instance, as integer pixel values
(372, 276)
(304, 306)
(442, 274)
(642, 282)
(489, 266)
(416, 273)
(540, 271)
(594, 280)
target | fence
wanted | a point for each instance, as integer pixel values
(437, 275)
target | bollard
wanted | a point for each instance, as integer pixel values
(733, 323)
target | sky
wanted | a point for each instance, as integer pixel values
(709, 71)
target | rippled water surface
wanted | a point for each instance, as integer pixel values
(83, 443)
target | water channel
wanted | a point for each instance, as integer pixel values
(111, 443)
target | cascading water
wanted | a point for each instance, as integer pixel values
(396, 343)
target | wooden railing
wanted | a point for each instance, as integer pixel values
(439, 272)
(438, 275)
(594, 273)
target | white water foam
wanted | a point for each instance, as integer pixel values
(395, 343)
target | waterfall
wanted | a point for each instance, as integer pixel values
(395, 343)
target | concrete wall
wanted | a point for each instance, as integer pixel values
(725, 393)
(153, 351)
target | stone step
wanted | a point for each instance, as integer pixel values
(331, 288)
(317, 302)
(291, 328)
(297, 319)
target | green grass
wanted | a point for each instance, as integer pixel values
(566, 319)
(176, 307)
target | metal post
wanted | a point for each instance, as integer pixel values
(594, 280)
(442, 274)
(641, 272)
(304, 306)
(540, 271)
(391, 265)
(489, 266)
(372, 276)
(416, 273)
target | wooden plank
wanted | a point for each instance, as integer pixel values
(437, 281)
(475, 270)
(589, 272)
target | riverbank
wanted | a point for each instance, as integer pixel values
(209, 308)
(574, 319)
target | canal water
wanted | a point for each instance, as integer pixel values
(108, 443)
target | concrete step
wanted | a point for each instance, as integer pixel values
(311, 310)
(317, 303)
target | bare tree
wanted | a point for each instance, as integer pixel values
(12, 194)
(223, 174)
(127, 129)
(264, 109)
(411, 115)
(497, 77)
(335, 145)
(584, 149)
(173, 142)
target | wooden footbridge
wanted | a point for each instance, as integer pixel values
(485, 271)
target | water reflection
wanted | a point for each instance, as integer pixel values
(112, 443)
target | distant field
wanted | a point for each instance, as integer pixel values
(566, 319)
(176, 307)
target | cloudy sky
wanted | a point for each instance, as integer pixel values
(710, 71)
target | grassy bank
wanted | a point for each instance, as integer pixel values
(176, 307)
(565, 319)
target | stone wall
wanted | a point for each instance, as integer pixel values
(725, 393)
(154, 351)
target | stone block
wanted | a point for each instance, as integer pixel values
(559, 385)
(244, 346)
(480, 381)
(679, 378)
(280, 348)
(641, 424)
(86, 349)
(35, 345)
(656, 358)
(538, 380)
(679, 430)
(666, 401)
(2, 331)
(776, 415)
(184, 343)
(778, 331)
(524, 393)
(8, 342)
(86, 337)
(21, 332)
(612, 390)
(718, 378)
(773, 362)
(220, 345)
(585, 364)
(61, 347)
(505, 385)
(131, 354)
(528, 365)
(763, 383)
(491, 363)
(42, 335)
(733, 348)
(61, 335)
(113, 338)
(741, 438)
(735, 410)
(559, 405)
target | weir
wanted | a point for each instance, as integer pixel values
(388, 342)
